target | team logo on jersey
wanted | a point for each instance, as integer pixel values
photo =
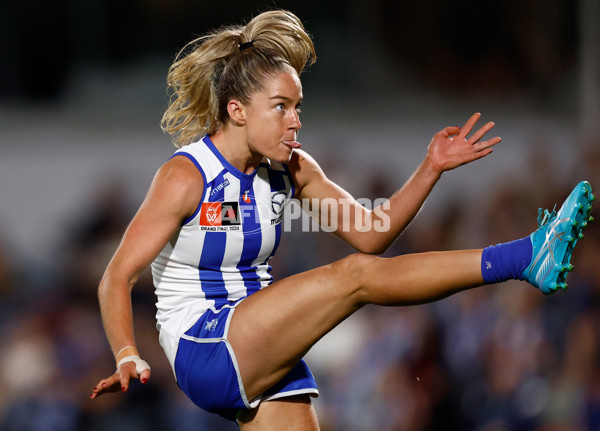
(211, 325)
(220, 216)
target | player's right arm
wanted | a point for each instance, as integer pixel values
(173, 196)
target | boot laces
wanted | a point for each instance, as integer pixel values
(545, 216)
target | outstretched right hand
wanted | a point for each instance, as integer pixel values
(136, 368)
(451, 147)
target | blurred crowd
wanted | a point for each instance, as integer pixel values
(497, 358)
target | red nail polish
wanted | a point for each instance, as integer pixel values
(122, 388)
(144, 381)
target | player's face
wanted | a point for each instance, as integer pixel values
(273, 117)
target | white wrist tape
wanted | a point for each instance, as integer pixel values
(124, 348)
(140, 364)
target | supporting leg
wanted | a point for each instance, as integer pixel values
(293, 414)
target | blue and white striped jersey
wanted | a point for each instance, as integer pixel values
(221, 253)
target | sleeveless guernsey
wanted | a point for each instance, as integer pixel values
(220, 254)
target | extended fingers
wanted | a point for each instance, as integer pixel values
(481, 132)
(466, 129)
(106, 385)
(118, 381)
(480, 146)
(127, 371)
(480, 154)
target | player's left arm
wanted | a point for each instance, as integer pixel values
(373, 231)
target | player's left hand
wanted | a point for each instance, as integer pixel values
(120, 380)
(451, 148)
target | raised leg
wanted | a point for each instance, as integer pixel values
(274, 328)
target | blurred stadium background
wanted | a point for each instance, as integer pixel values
(81, 95)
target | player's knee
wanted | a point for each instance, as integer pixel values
(354, 268)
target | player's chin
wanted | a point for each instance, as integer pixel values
(284, 155)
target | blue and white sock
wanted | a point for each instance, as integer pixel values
(506, 261)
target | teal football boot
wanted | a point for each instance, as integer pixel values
(555, 238)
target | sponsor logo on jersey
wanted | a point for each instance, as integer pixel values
(246, 198)
(232, 215)
(277, 206)
(220, 216)
(277, 203)
(219, 187)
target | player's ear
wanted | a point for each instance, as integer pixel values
(237, 112)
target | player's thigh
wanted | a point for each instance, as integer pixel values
(292, 413)
(304, 306)
(273, 329)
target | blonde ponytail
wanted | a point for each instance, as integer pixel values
(230, 63)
